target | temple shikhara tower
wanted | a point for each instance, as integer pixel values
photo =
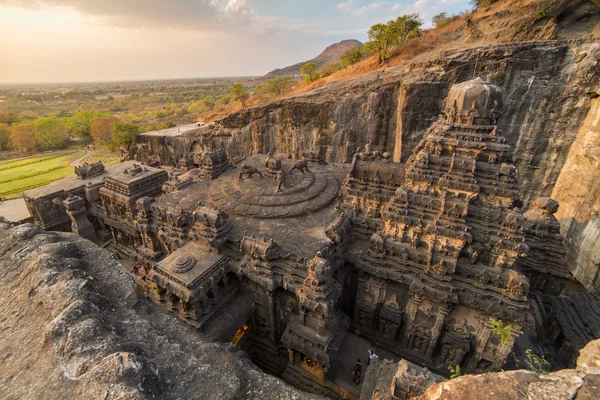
(291, 259)
(442, 248)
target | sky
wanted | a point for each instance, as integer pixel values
(111, 40)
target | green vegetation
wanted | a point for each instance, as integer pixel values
(502, 332)
(69, 112)
(25, 174)
(353, 55)
(543, 12)
(107, 158)
(309, 70)
(536, 363)
(384, 37)
(277, 86)
(240, 93)
(455, 371)
(442, 19)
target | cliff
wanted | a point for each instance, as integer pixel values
(72, 326)
(547, 67)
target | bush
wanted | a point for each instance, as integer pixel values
(543, 12)
(353, 55)
(278, 86)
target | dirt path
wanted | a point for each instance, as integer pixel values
(77, 162)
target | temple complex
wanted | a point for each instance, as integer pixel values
(288, 258)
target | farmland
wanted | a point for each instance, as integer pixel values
(17, 176)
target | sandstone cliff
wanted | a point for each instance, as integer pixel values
(72, 326)
(548, 68)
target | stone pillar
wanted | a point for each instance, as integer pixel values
(437, 328)
(77, 211)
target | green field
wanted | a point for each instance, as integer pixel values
(16, 176)
(107, 158)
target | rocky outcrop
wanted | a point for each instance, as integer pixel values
(72, 326)
(387, 381)
(580, 383)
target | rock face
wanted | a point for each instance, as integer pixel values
(386, 380)
(580, 383)
(578, 192)
(545, 266)
(330, 55)
(550, 112)
(72, 326)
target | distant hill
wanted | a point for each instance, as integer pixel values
(330, 55)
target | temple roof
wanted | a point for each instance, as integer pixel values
(475, 95)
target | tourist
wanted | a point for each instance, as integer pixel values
(372, 357)
(136, 269)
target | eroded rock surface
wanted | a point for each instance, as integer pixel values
(72, 326)
(386, 381)
(580, 383)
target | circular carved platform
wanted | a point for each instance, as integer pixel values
(183, 264)
(256, 197)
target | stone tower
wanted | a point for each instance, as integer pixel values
(441, 262)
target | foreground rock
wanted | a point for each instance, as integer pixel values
(386, 381)
(72, 326)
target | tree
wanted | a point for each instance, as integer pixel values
(278, 86)
(80, 124)
(406, 26)
(5, 142)
(439, 18)
(8, 117)
(102, 131)
(310, 72)
(239, 93)
(330, 69)
(383, 37)
(380, 41)
(23, 137)
(124, 134)
(51, 133)
(353, 55)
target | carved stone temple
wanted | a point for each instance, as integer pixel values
(288, 257)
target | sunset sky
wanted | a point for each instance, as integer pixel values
(100, 40)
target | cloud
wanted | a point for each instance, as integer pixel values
(350, 6)
(201, 15)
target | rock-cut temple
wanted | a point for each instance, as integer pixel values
(286, 257)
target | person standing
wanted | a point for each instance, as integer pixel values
(372, 357)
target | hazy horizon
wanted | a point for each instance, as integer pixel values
(87, 41)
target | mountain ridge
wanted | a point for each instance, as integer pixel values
(330, 55)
